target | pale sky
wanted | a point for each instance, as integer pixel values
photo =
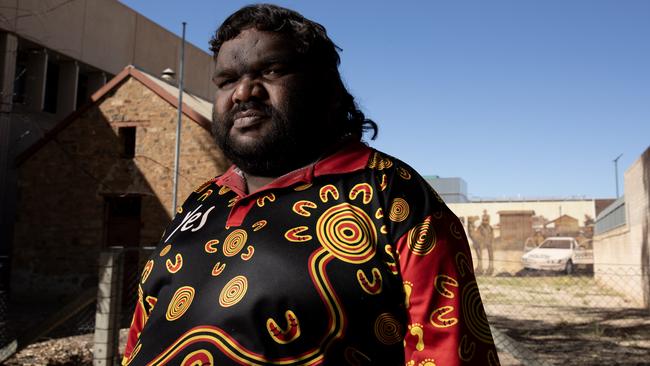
(530, 98)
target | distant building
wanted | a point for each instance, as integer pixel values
(452, 190)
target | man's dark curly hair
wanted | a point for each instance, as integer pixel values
(312, 42)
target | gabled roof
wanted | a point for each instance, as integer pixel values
(195, 108)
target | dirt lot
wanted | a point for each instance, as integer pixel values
(565, 320)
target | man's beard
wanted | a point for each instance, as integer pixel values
(293, 141)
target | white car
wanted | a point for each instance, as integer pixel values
(561, 254)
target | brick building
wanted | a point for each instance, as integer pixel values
(103, 176)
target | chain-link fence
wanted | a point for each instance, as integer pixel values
(587, 318)
(537, 317)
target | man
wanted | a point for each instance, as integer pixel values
(312, 249)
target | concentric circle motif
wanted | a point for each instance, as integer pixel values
(198, 358)
(455, 230)
(233, 291)
(234, 242)
(348, 233)
(179, 303)
(388, 329)
(474, 314)
(421, 239)
(399, 210)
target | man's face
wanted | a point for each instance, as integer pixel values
(267, 112)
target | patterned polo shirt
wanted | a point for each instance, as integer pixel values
(353, 260)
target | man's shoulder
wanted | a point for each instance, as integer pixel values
(387, 163)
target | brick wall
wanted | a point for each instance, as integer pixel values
(60, 221)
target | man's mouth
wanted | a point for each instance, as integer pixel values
(248, 119)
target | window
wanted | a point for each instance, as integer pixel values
(51, 88)
(127, 137)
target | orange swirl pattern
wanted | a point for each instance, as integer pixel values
(362, 188)
(262, 200)
(388, 329)
(176, 265)
(383, 184)
(442, 282)
(466, 349)
(371, 287)
(463, 264)
(354, 357)
(287, 335)
(234, 242)
(218, 268)
(379, 214)
(399, 210)
(179, 303)
(299, 207)
(303, 187)
(165, 250)
(223, 190)
(404, 173)
(294, 234)
(248, 254)
(439, 317)
(455, 230)
(205, 195)
(328, 190)
(146, 271)
(348, 233)
(421, 239)
(203, 186)
(473, 313)
(378, 162)
(198, 358)
(233, 291)
(259, 225)
(211, 246)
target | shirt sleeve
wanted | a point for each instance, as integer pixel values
(447, 324)
(137, 323)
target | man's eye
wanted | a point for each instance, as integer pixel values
(224, 83)
(274, 71)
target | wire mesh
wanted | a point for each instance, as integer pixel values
(589, 317)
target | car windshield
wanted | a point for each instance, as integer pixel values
(556, 244)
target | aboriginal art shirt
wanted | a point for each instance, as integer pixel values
(353, 260)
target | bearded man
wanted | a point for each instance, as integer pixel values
(313, 248)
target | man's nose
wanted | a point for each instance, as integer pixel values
(248, 89)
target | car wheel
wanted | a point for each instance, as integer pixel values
(569, 267)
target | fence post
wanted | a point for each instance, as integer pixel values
(109, 293)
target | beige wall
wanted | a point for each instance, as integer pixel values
(107, 35)
(549, 209)
(621, 256)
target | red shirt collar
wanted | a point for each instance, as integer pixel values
(351, 157)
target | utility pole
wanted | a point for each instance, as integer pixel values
(616, 173)
(178, 124)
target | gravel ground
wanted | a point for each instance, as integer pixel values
(68, 351)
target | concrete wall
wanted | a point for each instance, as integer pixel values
(621, 255)
(549, 209)
(107, 35)
(60, 225)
